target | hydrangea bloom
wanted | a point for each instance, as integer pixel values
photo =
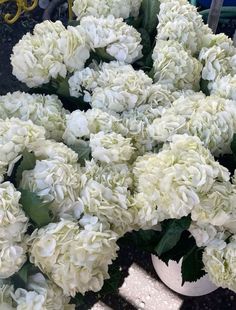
(16, 136)
(81, 124)
(6, 301)
(97, 8)
(217, 206)
(119, 40)
(224, 87)
(120, 87)
(83, 81)
(174, 66)
(179, 21)
(75, 259)
(172, 180)
(54, 181)
(203, 234)
(110, 147)
(106, 194)
(48, 53)
(54, 150)
(219, 259)
(212, 119)
(46, 111)
(13, 222)
(42, 294)
(12, 258)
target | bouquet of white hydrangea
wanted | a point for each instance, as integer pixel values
(138, 134)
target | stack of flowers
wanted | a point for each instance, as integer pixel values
(143, 154)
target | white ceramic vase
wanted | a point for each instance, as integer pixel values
(171, 276)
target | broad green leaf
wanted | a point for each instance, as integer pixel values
(146, 41)
(143, 239)
(172, 231)
(20, 279)
(83, 150)
(27, 163)
(134, 21)
(150, 10)
(192, 265)
(103, 55)
(63, 88)
(36, 210)
(183, 246)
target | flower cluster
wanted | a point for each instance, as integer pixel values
(136, 147)
(46, 111)
(49, 53)
(97, 8)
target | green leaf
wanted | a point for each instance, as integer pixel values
(27, 163)
(36, 210)
(172, 231)
(183, 246)
(233, 145)
(204, 87)
(111, 285)
(150, 10)
(20, 279)
(103, 55)
(192, 266)
(83, 150)
(145, 240)
(74, 23)
(146, 41)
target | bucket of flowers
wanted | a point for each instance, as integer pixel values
(127, 131)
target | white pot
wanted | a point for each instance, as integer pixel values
(171, 276)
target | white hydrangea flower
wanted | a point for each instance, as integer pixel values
(179, 21)
(72, 45)
(56, 182)
(217, 207)
(106, 194)
(203, 234)
(224, 87)
(54, 298)
(160, 97)
(12, 258)
(110, 147)
(46, 111)
(28, 300)
(36, 57)
(219, 259)
(16, 136)
(76, 260)
(6, 301)
(217, 57)
(54, 150)
(81, 124)
(212, 119)
(48, 53)
(97, 8)
(136, 121)
(120, 87)
(83, 81)
(175, 66)
(172, 180)
(121, 41)
(13, 222)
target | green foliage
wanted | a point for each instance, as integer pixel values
(233, 145)
(83, 150)
(192, 265)
(20, 279)
(150, 10)
(27, 163)
(182, 247)
(35, 209)
(171, 234)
